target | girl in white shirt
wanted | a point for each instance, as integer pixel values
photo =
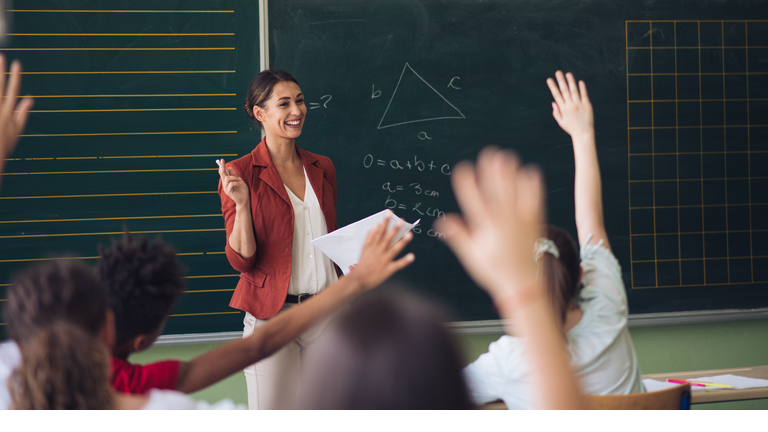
(594, 321)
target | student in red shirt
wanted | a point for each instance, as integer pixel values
(144, 280)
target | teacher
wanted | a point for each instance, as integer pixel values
(275, 200)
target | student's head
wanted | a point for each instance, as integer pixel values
(53, 292)
(143, 282)
(389, 351)
(563, 273)
(57, 314)
(276, 103)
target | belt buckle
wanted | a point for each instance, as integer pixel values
(300, 296)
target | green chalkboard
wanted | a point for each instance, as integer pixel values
(401, 90)
(134, 100)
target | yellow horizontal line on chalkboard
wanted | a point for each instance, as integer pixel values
(112, 171)
(700, 259)
(109, 195)
(697, 73)
(205, 291)
(111, 218)
(698, 100)
(111, 233)
(121, 34)
(125, 72)
(133, 110)
(121, 49)
(130, 133)
(129, 95)
(650, 21)
(704, 284)
(698, 179)
(205, 313)
(698, 47)
(212, 276)
(95, 257)
(123, 157)
(699, 153)
(700, 232)
(692, 127)
(119, 10)
(698, 205)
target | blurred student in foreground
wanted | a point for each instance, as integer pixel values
(61, 329)
(393, 353)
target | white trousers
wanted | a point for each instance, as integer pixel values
(273, 383)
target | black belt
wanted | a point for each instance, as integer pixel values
(290, 298)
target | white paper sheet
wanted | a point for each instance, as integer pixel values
(651, 385)
(345, 245)
(735, 381)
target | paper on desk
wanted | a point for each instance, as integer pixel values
(652, 385)
(735, 381)
(345, 245)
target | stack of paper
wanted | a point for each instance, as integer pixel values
(735, 381)
(345, 245)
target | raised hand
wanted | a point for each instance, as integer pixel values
(13, 116)
(377, 261)
(233, 185)
(571, 108)
(502, 216)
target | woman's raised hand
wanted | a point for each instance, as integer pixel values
(571, 108)
(502, 209)
(232, 184)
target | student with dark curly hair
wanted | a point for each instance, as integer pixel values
(60, 328)
(144, 280)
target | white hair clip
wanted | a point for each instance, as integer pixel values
(545, 245)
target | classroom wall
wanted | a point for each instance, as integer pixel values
(659, 349)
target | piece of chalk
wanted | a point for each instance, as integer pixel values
(218, 162)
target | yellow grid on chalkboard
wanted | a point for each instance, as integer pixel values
(697, 176)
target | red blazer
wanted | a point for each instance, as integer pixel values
(265, 276)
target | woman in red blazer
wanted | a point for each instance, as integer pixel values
(275, 200)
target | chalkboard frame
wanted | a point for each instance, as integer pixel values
(487, 326)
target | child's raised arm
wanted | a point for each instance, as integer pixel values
(377, 263)
(573, 112)
(502, 206)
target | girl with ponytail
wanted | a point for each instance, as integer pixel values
(585, 288)
(58, 358)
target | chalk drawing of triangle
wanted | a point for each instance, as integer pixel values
(414, 100)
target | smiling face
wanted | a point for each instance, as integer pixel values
(284, 112)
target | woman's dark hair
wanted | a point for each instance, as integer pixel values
(55, 313)
(261, 88)
(562, 274)
(388, 351)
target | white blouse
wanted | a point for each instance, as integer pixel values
(311, 269)
(602, 354)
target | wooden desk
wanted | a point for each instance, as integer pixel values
(701, 397)
(720, 395)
